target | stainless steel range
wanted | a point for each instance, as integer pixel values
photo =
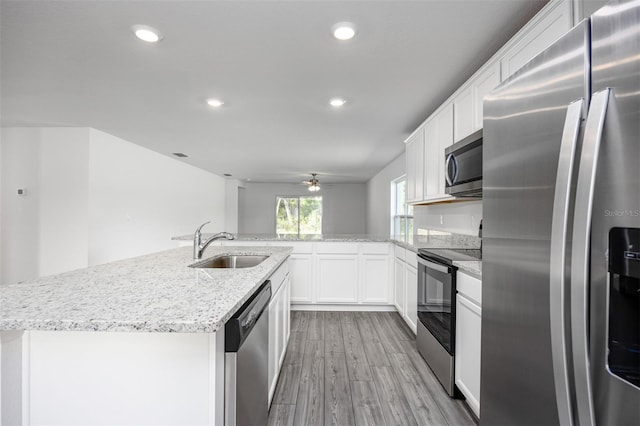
(436, 309)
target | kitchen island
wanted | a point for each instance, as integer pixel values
(139, 341)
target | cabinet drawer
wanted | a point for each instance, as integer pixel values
(374, 248)
(337, 248)
(470, 287)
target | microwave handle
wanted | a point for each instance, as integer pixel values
(451, 180)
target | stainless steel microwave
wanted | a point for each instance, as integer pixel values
(463, 167)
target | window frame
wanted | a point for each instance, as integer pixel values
(407, 213)
(275, 219)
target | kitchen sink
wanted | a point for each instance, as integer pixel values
(231, 261)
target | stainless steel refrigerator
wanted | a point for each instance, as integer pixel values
(561, 211)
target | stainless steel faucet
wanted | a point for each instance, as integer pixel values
(199, 246)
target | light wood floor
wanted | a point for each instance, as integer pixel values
(358, 368)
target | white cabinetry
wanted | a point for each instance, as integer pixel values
(405, 293)
(468, 333)
(340, 275)
(374, 274)
(545, 28)
(439, 131)
(415, 166)
(337, 278)
(468, 109)
(462, 114)
(431, 160)
(300, 269)
(411, 313)
(279, 324)
(399, 286)
(463, 120)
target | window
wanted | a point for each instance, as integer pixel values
(298, 215)
(401, 212)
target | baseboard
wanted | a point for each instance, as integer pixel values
(336, 307)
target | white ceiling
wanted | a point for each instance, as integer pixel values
(274, 63)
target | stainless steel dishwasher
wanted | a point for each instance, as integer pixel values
(246, 362)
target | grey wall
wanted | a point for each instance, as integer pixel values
(343, 207)
(379, 197)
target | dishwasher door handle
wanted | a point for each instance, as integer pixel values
(239, 326)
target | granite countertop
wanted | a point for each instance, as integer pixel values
(425, 239)
(298, 238)
(473, 268)
(152, 293)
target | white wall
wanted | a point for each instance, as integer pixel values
(232, 200)
(45, 230)
(139, 199)
(460, 217)
(379, 197)
(93, 198)
(343, 207)
(63, 221)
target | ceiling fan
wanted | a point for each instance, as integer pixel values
(314, 183)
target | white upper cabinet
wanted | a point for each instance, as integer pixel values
(464, 122)
(431, 179)
(546, 27)
(468, 110)
(462, 114)
(484, 83)
(415, 167)
(438, 136)
(444, 119)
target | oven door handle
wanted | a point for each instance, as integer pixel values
(432, 265)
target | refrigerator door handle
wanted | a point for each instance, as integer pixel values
(559, 225)
(581, 255)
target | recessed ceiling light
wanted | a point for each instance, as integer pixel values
(146, 33)
(215, 102)
(337, 102)
(180, 154)
(228, 174)
(344, 30)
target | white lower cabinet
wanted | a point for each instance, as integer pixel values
(405, 292)
(468, 334)
(411, 283)
(344, 274)
(337, 278)
(301, 270)
(279, 325)
(374, 279)
(399, 286)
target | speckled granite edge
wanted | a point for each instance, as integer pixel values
(473, 268)
(153, 293)
(427, 239)
(301, 238)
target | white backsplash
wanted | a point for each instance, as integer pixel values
(459, 217)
